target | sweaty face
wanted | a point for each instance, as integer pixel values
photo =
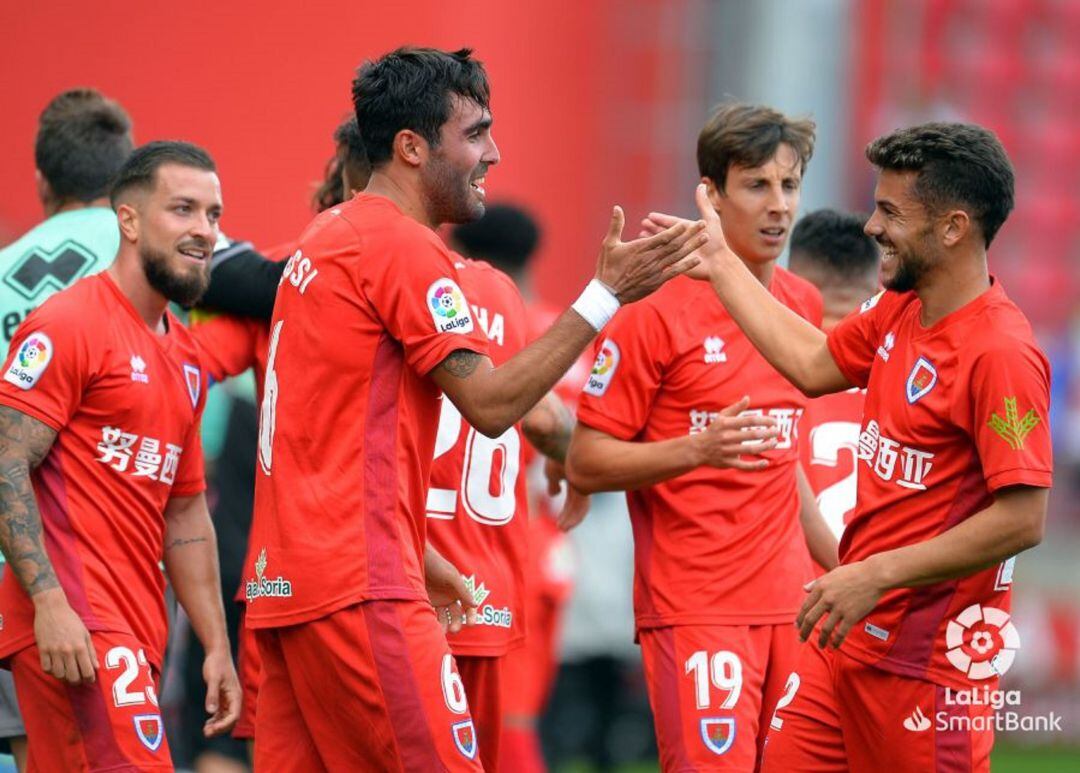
(177, 230)
(904, 230)
(453, 175)
(757, 205)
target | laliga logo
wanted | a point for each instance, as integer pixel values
(604, 361)
(33, 352)
(982, 642)
(446, 302)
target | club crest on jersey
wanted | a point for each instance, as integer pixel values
(449, 311)
(30, 361)
(465, 738)
(603, 369)
(148, 728)
(193, 379)
(921, 380)
(718, 733)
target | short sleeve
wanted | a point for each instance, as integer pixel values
(190, 475)
(854, 341)
(1009, 392)
(48, 365)
(629, 367)
(227, 344)
(419, 299)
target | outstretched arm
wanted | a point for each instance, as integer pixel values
(191, 561)
(492, 399)
(791, 344)
(62, 639)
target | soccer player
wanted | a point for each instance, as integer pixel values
(101, 478)
(82, 140)
(370, 324)
(677, 398)
(954, 474)
(831, 250)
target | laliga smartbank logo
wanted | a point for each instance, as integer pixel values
(262, 586)
(30, 361)
(982, 643)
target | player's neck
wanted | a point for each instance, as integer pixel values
(56, 207)
(763, 272)
(407, 197)
(149, 304)
(955, 286)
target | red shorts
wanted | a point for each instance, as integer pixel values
(112, 724)
(482, 677)
(250, 667)
(370, 687)
(713, 688)
(839, 714)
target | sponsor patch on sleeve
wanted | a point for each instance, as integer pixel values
(603, 370)
(30, 361)
(449, 309)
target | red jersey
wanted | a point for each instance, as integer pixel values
(368, 305)
(477, 508)
(711, 546)
(125, 404)
(829, 453)
(953, 413)
(230, 345)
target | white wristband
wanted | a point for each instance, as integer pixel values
(596, 304)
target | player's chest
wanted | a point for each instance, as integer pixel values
(137, 413)
(909, 435)
(712, 366)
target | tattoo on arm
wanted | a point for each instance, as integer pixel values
(179, 542)
(461, 363)
(24, 442)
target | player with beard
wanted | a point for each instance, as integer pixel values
(954, 475)
(83, 138)
(101, 477)
(369, 325)
(831, 250)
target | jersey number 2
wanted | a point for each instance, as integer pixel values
(488, 475)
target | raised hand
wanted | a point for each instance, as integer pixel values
(715, 248)
(632, 270)
(730, 437)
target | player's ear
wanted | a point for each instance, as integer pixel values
(128, 218)
(410, 147)
(712, 191)
(955, 227)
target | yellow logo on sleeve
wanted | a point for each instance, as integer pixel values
(1012, 428)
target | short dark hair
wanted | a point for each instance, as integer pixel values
(958, 164)
(506, 236)
(836, 243)
(349, 155)
(411, 88)
(140, 170)
(83, 139)
(749, 135)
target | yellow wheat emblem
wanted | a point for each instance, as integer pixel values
(1012, 428)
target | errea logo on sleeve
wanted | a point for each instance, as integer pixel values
(448, 308)
(30, 361)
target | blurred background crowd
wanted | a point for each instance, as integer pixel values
(600, 103)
